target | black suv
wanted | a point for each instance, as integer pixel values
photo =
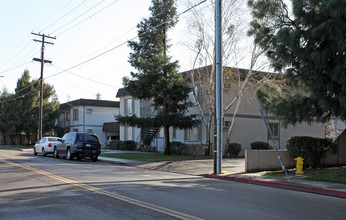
(80, 145)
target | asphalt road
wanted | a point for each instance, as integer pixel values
(36, 187)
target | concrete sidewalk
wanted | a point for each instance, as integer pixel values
(233, 169)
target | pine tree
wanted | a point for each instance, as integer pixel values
(309, 47)
(157, 78)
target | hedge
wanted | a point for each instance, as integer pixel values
(122, 145)
(260, 145)
(310, 148)
(233, 149)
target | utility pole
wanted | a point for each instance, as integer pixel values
(218, 86)
(42, 61)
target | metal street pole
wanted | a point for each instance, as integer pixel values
(218, 86)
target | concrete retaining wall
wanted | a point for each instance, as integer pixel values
(261, 160)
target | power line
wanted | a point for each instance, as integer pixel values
(46, 20)
(94, 81)
(77, 17)
(15, 67)
(107, 51)
(64, 15)
(87, 18)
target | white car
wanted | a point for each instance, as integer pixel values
(46, 145)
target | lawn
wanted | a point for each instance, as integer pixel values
(152, 157)
(335, 175)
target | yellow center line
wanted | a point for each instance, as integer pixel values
(143, 204)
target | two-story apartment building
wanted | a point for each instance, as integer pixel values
(249, 125)
(89, 115)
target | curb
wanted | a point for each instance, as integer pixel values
(309, 189)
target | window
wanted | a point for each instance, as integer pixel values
(90, 131)
(67, 116)
(75, 114)
(75, 130)
(275, 129)
(128, 107)
(194, 134)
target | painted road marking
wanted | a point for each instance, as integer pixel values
(143, 204)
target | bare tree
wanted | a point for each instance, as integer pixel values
(201, 27)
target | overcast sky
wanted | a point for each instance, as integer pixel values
(83, 29)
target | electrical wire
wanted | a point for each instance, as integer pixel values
(87, 18)
(46, 20)
(77, 17)
(82, 77)
(107, 51)
(15, 67)
(64, 15)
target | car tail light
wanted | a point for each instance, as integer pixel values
(49, 145)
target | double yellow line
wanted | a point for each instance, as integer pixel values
(143, 204)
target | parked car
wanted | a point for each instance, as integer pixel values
(111, 138)
(78, 144)
(46, 145)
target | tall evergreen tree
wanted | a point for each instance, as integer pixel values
(7, 115)
(157, 78)
(19, 112)
(309, 46)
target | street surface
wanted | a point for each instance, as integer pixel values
(37, 187)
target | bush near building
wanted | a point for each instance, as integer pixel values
(260, 145)
(310, 148)
(233, 149)
(122, 145)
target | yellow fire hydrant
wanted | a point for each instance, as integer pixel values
(299, 167)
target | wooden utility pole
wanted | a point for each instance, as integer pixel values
(42, 60)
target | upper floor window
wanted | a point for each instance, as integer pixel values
(75, 114)
(128, 106)
(67, 116)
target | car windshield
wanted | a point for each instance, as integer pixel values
(87, 138)
(53, 139)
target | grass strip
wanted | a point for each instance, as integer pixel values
(328, 175)
(334, 175)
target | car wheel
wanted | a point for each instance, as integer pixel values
(56, 155)
(44, 152)
(69, 155)
(35, 152)
(94, 158)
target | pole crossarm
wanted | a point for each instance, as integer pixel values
(39, 60)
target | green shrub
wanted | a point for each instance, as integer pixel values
(122, 145)
(310, 148)
(260, 145)
(233, 149)
(115, 144)
(128, 145)
(177, 148)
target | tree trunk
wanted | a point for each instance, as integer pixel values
(167, 143)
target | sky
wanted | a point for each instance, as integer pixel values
(84, 29)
